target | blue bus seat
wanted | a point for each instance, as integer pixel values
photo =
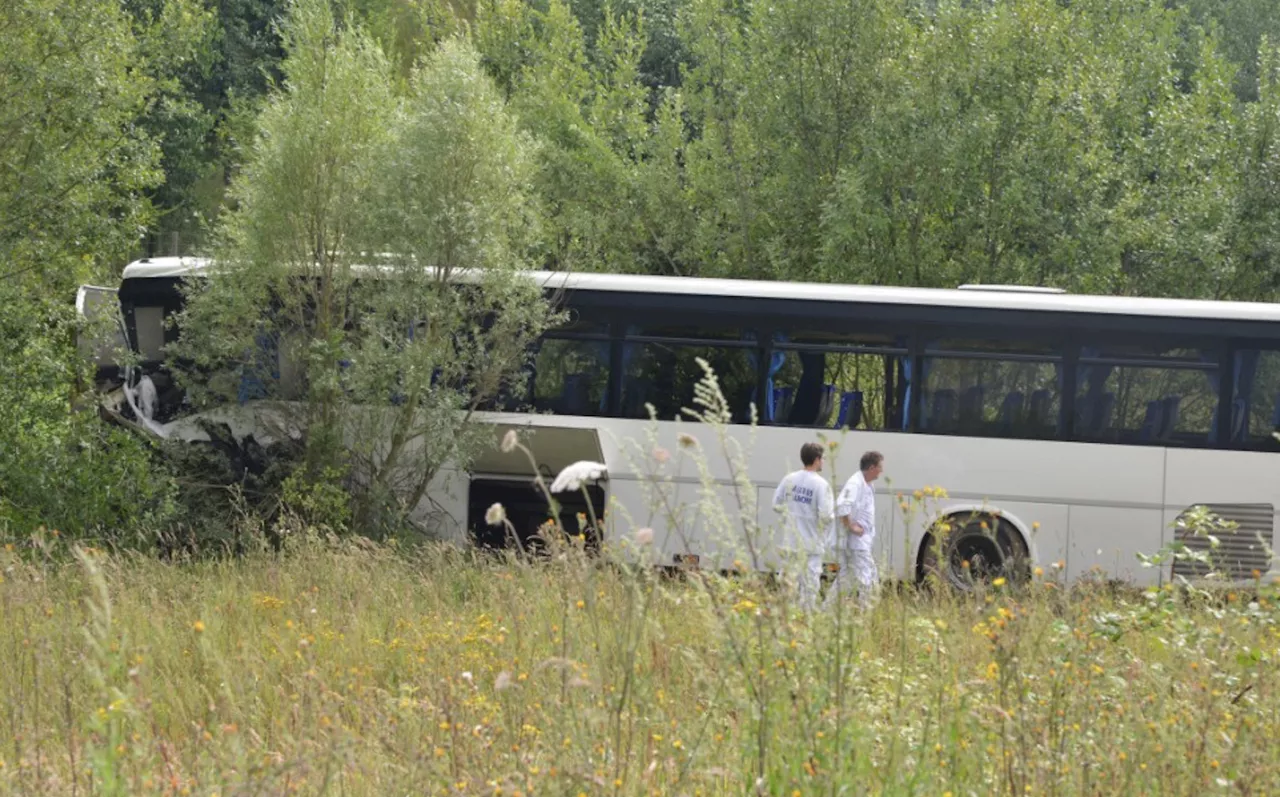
(826, 405)
(850, 410)
(783, 397)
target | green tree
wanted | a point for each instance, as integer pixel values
(72, 163)
(74, 167)
(1255, 229)
(1022, 141)
(587, 112)
(386, 355)
(1241, 26)
(177, 38)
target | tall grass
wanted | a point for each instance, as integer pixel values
(364, 670)
(352, 668)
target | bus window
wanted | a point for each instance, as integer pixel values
(571, 376)
(833, 381)
(1137, 394)
(660, 368)
(992, 389)
(1256, 399)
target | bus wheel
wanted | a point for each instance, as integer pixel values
(980, 548)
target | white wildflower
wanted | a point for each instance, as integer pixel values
(644, 536)
(577, 474)
(495, 515)
(661, 454)
(503, 681)
(509, 441)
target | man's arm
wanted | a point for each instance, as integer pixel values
(865, 508)
(780, 494)
(847, 506)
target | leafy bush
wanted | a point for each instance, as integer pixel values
(61, 467)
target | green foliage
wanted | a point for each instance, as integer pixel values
(62, 468)
(587, 103)
(386, 356)
(73, 166)
(1255, 230)
(72, 162)
(456, 177)
(178, 38)
(1094, 145)
(321, 503)
(1243, 27)
(408, 30)
(1099, 145)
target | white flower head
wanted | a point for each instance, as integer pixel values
(661, 454)
(495, 515)
(503, 681)
(577, 474)
(644, 536)
(509, 441)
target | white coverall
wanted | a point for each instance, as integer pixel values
(810, 512)
(857, 501)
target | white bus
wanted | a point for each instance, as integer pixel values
(1069, 430)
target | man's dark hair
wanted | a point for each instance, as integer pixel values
(870, 460)
(810, 453)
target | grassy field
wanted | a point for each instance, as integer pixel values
(351, 668)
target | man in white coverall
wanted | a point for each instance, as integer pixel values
(810, 510)
(855, 532)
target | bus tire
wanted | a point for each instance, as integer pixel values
(980, 547)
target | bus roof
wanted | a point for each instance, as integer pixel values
(971, 297)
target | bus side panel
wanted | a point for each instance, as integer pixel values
(442, 513)
(722, 523)
(629, 511)
(1230, 477)
(1110, 539)
(710, 528)
(1023, 470)
(771, 522)
(887, 549)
